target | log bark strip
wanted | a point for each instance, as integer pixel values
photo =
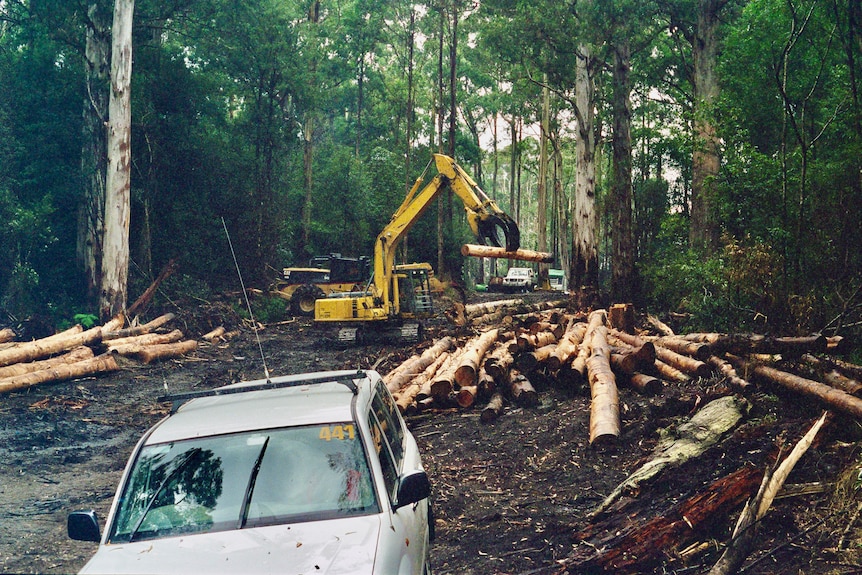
(478, 251)
(637, 545)
(690, 440)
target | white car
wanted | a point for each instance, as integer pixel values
(519, 279)
(315, 473)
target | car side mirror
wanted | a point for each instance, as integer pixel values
(83, 526)
(412, 488)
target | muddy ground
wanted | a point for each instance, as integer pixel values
(510, 496)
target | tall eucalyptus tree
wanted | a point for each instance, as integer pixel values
(700, 24)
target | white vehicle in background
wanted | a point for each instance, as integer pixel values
(313, 473)
(519, 279)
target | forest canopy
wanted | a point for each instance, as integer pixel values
(700, 157)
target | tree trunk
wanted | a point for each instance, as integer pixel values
(531, 360)
(152, 353)
(623, 250)
(136, 344)
(521, 390)
(542, 187)
(704, 229)
(493, 410)
(94, 165)
(831, 397)
(568, 346)
(605, 402)
(139, 329)
(308, 145)
(115, 261)
(499, 361)
(726, 369)
(585, 259)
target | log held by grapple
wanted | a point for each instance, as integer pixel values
(479, 251)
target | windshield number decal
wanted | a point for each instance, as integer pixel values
(339, 432)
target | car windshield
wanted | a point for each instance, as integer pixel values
(245, 480)
(519, 273)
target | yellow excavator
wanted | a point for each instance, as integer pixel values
(398, 296)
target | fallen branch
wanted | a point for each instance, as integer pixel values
(746, 526)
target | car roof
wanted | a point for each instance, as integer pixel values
(306, 399)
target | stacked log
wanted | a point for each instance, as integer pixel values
(409, 369)
(493, 369)
(76, 352)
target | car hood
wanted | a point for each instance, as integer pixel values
(337, 547)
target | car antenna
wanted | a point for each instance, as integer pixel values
(247, 302)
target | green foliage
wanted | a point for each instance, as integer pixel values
(266, 309)
(681, 280)
(223, 92)
(87, 320)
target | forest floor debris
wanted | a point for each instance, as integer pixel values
(513, 495)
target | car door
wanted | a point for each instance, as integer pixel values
(408, 536)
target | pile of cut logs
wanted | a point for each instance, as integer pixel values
(600, 350)
(78, 353)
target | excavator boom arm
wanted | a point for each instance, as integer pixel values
(486, 220)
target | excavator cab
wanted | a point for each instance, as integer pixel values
(414, 290)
